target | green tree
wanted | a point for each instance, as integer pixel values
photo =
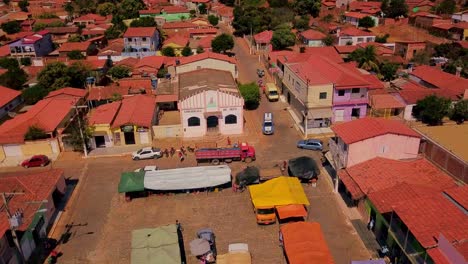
(48, 15)
(422, 57)
(222, 43)
(187, 51)
(311, 7)
(328, 18)
(14, 77)
(79, 126)
(26, 61)
(431, 110)
(251, 19)
(366, 22)
(57, 75)
(143, 22)
(114, 32)
(200, 50)
(365, 58)
(382, 38)
(75, 55)
(34, 94)
(105, 9)
(283, 38)
(130, 8)
(116, 97)
(168, 51)
(11, 27)
(394, 8)
(56, 24)
(162, 73)
(39, 26)
(251, 94)
(23, 5)
(278, 3)
(69, 8)
(446, 7)
(388, 71)
(74, 38)
(213, 20)
(193, 13)
(301, 23)
(35, 132)
(328, 40)
(460, 111)
(119, 72)
(227, 2)
(202, 8)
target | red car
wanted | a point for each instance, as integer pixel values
(36, 161)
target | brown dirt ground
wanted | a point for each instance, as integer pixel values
(406, 33)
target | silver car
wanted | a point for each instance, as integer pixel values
(147, 153)
(313, 144)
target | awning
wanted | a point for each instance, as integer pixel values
(218, 114)
(319, 113)
(279, 191)
(292, 210)
(131, 182)
(156, 245)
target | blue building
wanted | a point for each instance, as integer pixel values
(140, 42)
(36, 45)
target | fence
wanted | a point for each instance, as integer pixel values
(446, 160)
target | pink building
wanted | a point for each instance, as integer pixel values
(364, 139)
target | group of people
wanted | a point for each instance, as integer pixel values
(181, 153)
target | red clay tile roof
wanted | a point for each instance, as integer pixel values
(150, 63)
(179, 25)
(37, 186)
(320, 70)
(33, 71)
(128, 62)
(460, 195)
(174, 9)
(365, 128)
(374, 81)
(150, 11)
(443, 26)
(7, 95)
(98, 93)
(115, 47)
(203, 56)
(358, 5)
(385, 101)
(428, 217)
(312, 34)
(202, 31)
(205, 42)
(355, 15)
(263, 37)
(89, 17)
(47, 114)
(4, 51)
(136, 110)
(328, 52)
(451, 86)
(139, 32)
(352, 31)
(104, 114)
(62, 30)
(380, 174)
(437, 256)
(70, 46)
(176, 39)
(67, 92)
(412, 92)
(137, 83)
(464, 44)
(345, 49)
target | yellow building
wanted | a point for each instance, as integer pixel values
(177, 42)
(126, 122)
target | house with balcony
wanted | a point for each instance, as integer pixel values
(140, 42)
(360, 140)
(419, 212)
(36, 45)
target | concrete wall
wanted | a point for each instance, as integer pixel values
(207, 64)
(168, 131)
(389, 146)
(355, 40)
(46, 147)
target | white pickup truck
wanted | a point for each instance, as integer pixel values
(147, 153)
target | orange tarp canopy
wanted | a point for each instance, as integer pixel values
(292, 210)
(304, 244)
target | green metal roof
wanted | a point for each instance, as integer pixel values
(155, 245)
(131, 182)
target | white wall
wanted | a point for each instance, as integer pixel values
(408, 115)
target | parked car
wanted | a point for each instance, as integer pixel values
(36, 161)
(260, 73)
(313, 144)
(147, 153)
(147, 169)
(268, 127)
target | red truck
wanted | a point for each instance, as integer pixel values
(244, 153)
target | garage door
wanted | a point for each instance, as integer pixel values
(144, 138)
(339, 115)
(12, 150)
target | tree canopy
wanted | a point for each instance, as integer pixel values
(460, 111)
(365, 58)
(35, 132)
(187, 51)
(222, 43)
(251, 94)
(213, 20)
(366, 22)
(119, 72)
(15, 77)
(105, 9)
(168, 51)
(75, 55)
(446, 7)
(394, 8)
(388, 71)
(57, 75)
(143, 22)
(23, 5)
(283, 38)
(251, 19)
(11, 27)
(311, 7)
(432, 109)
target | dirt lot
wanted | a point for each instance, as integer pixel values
(406, 33)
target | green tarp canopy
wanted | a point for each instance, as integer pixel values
(131, 182)
(156, 246)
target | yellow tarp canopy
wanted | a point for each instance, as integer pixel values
(279, 191)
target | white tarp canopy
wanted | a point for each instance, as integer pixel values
(187, 178)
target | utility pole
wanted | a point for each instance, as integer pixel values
(251, 38)
(85, 150)
(13, 226)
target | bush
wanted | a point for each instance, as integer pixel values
(460, 111)
(162, 73)
(34, 94)
(34, 133)
(168, 51)
(251, 94)
(213, 20)
(11, 27)
(26, 61)
(432, 109)
(187, 51)
(119, 72)
(75, 55)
